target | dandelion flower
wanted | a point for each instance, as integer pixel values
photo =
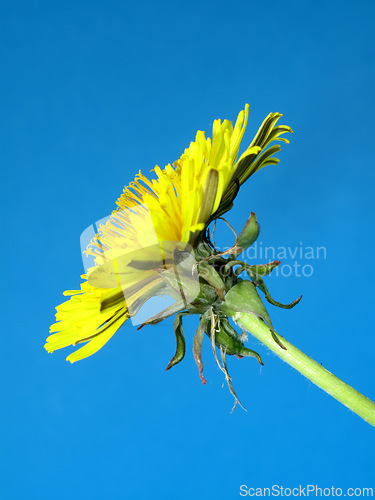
(157, 242)
(177, 206)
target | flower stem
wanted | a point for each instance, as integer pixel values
(312, 370)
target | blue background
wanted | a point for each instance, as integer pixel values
(91, 93)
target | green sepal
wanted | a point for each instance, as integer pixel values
(244, 298)
(181, 284)
(252, 271)
(202, 248)
(207, 296)
(261, 285)
(197, 345)
(180, 339)
(164, 314)
(248, 235)
(209, 274)
(255, 273)
(227, 337)
(264, 269)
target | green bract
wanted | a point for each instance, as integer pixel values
(223, 295)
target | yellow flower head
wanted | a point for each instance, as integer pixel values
(152, 218)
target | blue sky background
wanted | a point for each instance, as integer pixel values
(92, 92)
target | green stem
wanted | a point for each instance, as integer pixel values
(312, 370)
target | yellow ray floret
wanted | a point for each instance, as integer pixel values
(176, 206)
(80, 319)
